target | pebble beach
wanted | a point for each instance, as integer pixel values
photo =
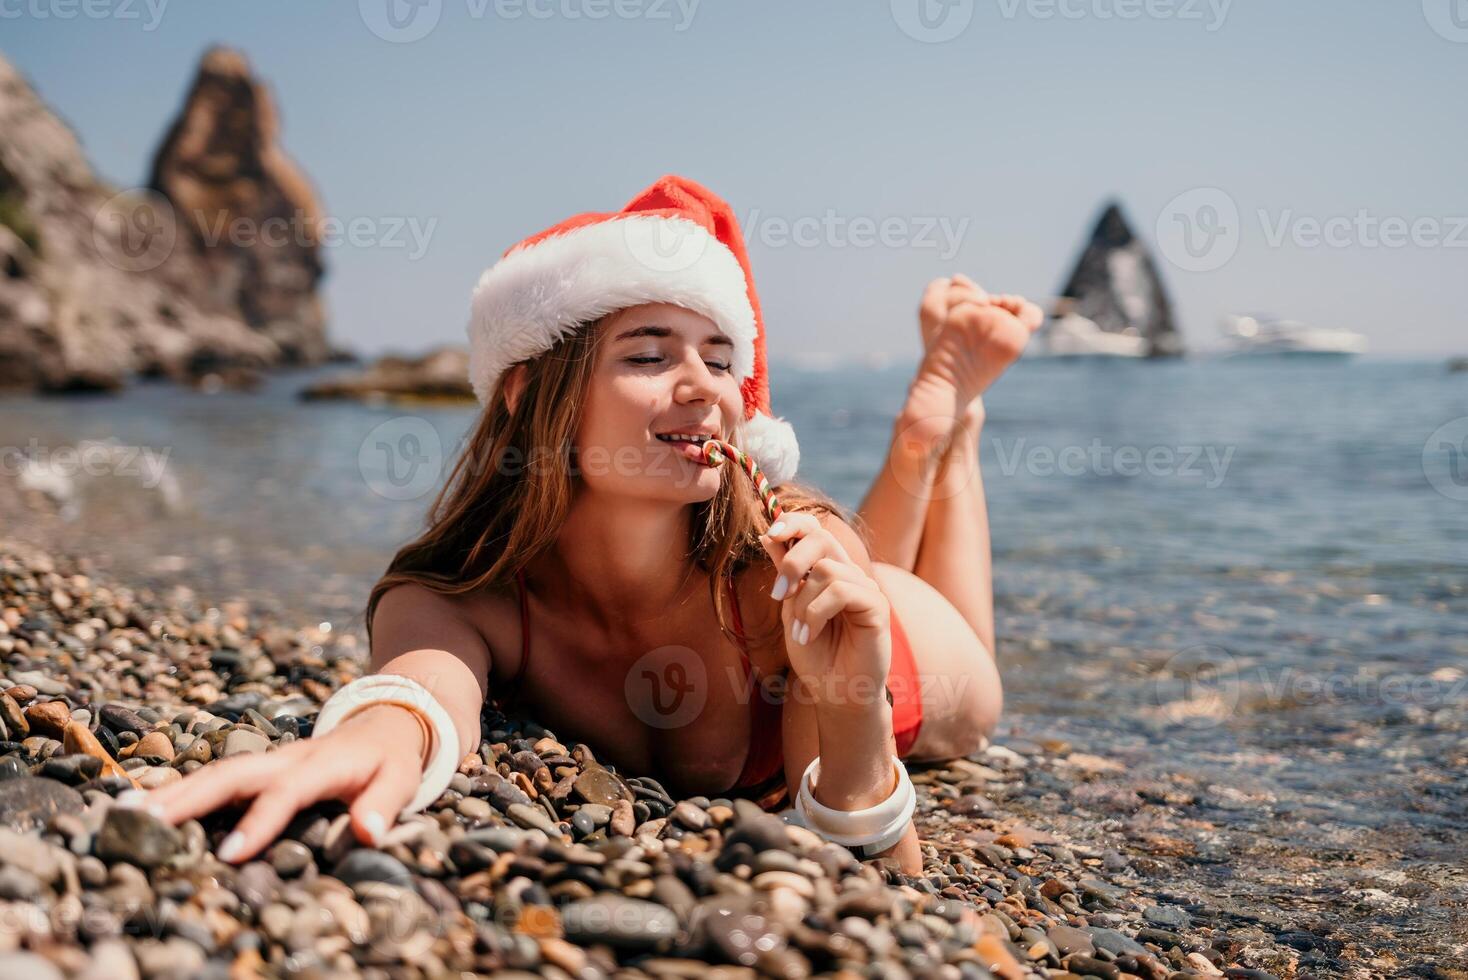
(539, 859)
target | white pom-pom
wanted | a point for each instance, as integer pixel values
(772, 444)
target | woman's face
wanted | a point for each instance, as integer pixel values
(660, 369)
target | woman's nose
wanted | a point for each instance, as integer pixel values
(696, 380)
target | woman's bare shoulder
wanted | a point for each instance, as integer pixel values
(411, 615)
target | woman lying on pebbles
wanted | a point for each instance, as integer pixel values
(587, 563)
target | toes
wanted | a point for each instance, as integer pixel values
(932, 309)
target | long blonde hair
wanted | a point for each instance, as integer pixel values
(510, 490)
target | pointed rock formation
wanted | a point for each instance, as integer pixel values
(97, 286)
(1115, 284)
(221, 167)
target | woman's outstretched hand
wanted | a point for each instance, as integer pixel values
(837, 619)
(372, 762)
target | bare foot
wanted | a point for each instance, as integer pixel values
(969, 339)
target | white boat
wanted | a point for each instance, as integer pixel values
(1073, 335)
(1262, 335)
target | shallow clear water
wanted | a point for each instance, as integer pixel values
(1252, 573)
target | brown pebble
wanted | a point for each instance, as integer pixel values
(49, 718)
(624, 821)
(78, 738)
(155, 744)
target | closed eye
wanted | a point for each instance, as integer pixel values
(655, 360)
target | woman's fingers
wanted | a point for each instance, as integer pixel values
(213, 786)
(825, 572)
(376, 808)
(811, 542)
(265, 819)
(860, 601)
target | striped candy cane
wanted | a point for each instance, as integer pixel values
(717, 451)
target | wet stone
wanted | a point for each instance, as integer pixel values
(596, 784)
(136, 837)
(27, 803)
(627, 923)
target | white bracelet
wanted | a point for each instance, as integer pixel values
(395, 687)
(872, 829)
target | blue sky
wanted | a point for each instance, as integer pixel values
(982, 135)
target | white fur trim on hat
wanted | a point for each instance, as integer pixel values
(771, 441)
(537, 294)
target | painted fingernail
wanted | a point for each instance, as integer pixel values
(776, 528)
(804, 633)
(233, 844)
(795, 631)
(132, 799)
(781, 584)
(376, 827)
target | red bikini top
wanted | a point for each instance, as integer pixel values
(763, 776)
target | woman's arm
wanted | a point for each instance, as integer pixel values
(373, 760)
(845, 718)
(420, 634)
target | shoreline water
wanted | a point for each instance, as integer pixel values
(1272, 661)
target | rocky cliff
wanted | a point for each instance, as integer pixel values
(98, 285)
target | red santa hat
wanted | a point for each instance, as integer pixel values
(675, 242)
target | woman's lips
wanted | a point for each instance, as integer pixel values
(689, 450)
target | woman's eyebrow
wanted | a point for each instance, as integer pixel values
(653, 330)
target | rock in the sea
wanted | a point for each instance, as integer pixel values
(102, 285)
(1115, 284)
(441, 375)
